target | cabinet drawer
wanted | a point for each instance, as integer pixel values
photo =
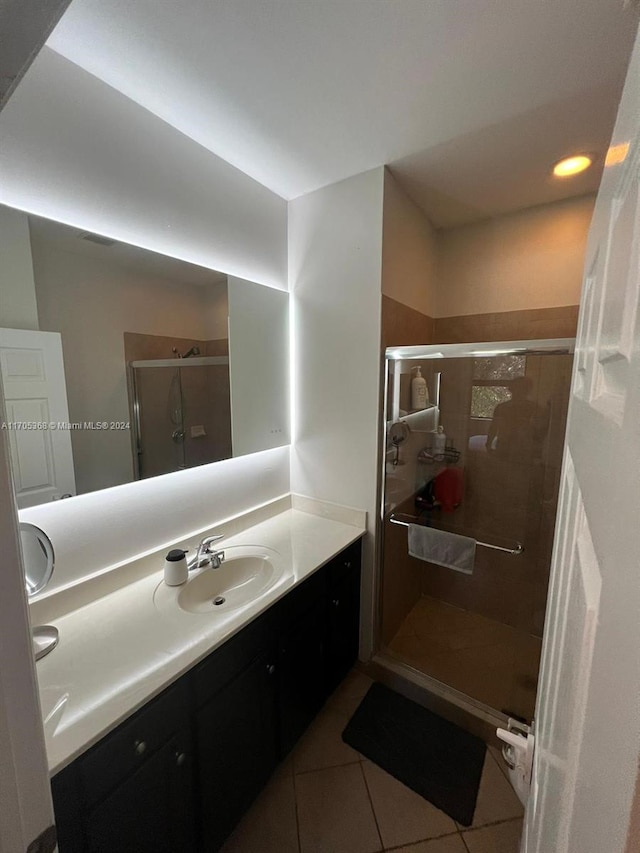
(301, 599)
(344, 564)
(124, 750)
(235, 655)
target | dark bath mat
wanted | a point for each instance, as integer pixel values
(433, 757)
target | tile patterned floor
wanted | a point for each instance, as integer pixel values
(326, 798)
(491, 662)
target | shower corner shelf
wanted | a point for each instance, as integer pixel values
(450, 456)
(417, 411)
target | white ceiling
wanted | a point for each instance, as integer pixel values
(470, 101)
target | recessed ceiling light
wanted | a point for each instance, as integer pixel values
(571, 166)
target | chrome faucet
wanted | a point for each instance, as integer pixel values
(205, 556)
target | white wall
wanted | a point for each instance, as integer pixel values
(409, 251)
(18, 308)
(335, 251)
(94, 532)
(258, 366)
(92, 302)
(530, 259)
(75, 150)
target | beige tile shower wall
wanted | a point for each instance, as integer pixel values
(505, 501)
(206, 396)
(530, 324)
(138, 347)
(207, 403)
(526, 260)
(404, 326)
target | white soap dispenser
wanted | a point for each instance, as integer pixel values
(176, 571)
(419, 393)
(439, 442)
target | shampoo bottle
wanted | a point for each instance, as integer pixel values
(419, 395)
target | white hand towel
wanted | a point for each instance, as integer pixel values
(445, 549)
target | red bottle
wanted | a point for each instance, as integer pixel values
(448, 488)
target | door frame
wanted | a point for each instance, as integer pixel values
(25, 791)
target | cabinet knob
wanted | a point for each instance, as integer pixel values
(180, 758)
(140, 747)
(271, 668)
(336, 602)
(347, 564)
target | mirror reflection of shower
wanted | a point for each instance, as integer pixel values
(181, 412)
(192, 351)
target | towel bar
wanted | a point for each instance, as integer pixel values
(515, 551)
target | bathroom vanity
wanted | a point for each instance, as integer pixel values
(177, 771)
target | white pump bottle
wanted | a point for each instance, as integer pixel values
(419, 393)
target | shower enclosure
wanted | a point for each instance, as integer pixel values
(181, 413)
(474, 639)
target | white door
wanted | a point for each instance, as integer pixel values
(588, 711)
(36, 405)
(25, 796)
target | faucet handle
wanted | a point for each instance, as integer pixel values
(209, 540)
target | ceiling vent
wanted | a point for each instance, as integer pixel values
(96, 238)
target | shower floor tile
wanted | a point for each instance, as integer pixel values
(491, 662)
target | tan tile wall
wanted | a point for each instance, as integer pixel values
(401, 326)
(506, 500)
(533, 324)
(404, 326)
(401, 579)
(207, 391)
(138, 347)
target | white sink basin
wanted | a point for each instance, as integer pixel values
(247, 573)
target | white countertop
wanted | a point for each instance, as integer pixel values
(118, 651)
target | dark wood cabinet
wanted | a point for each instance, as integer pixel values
(179, 774)
(152, 811)
(236, 747)
(132, 792)
(301, 667)
(342, 616)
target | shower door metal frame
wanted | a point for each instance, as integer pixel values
(381, 657)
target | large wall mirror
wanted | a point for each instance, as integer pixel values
(121, 364)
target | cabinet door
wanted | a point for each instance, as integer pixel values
(343, 628)
(342, 614)
(301, 667)
(68, 811)
(236, 741)
(152, 811)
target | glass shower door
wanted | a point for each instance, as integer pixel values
(160, 422)
(504, 416)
